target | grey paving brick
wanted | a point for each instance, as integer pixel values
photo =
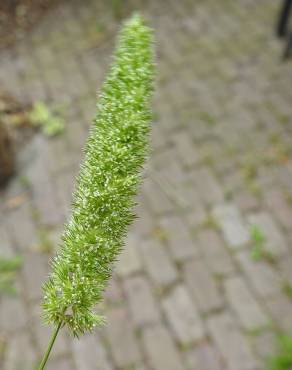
(20, 354)
(143, 307)
(278, 205)
(41, 185)
(89, 354)
(234, 230)
(160, 349)
(6, 243)
(13, 315)
(207, 186)
(196, 215)
(34, 271)
(204, 357)
(202, 286)
(185, 149)
(121, 338)
(22, 228)
(285, 264)
(251, 315)
(262, 277)
(157, 262)
(46, 203)
(63, 363)
(280, 308)
(274, 239)
(158, 200)
(183, 316)
(245, 201)
(170, 171)
(265, 344)
(214, 252)
(179, 241)
(145, 222)
(171, 179)
(113, 293)
(232, 344)
(129, 260)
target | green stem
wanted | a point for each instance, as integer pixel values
(50, 346)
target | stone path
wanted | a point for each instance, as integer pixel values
(188, 291)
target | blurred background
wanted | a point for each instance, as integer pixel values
(205, 280)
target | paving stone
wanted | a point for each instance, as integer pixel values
(160, 349)
(145, 223)
(262, 277)
(280, 308)
(234, 230)
(202, 286)
(204, 357)
(20, 354)
(265, 344)
(285, 264)
(141, 301)
(193, 202)
(245, 201)
(197, 214)
(170, 171)
(120, 335)
(43, 192)
(232, 344)
(63, 363)
(6, 243)
(158, 264)
(277, 204)
(274, 239)
(129, 260)
(207, 186)
(21, 227)
(183, 316)
(251, 315)
(158, 200)
(171, 179)
(89, 354)
(179, 241)
(185, 149)
(113, 293)
(13, 315)
(34, 271)
(214, 252)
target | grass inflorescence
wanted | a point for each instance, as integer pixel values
(106, 185)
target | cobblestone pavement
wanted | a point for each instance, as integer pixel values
(196, 287)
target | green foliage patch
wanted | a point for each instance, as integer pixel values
(259, 251)
(8, 271)
(50, 123)
(282, 360)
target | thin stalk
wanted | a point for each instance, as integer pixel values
(50, 346)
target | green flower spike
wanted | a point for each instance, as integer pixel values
(107, 183)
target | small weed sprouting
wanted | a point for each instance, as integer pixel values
(50, 123)
(259, 251)
(8, 271)
(282, 359)
(287, 289)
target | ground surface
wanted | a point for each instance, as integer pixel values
(195, 288)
